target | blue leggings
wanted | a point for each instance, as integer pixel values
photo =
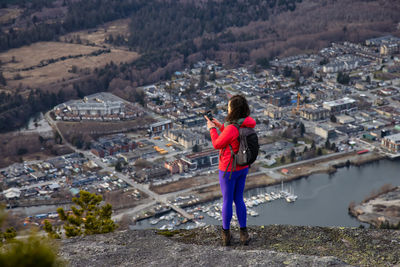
(232, 190)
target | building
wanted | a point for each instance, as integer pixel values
(192, 121)
(318, 95)
(12, 193)
(279, 98)
(344, 119)
(159, 127)
(99, 107)
(338, 66)
(340, 105)
(325, 131)
(392, 143)
(156, 172)
(389, 49)
(382, 40)
(186, 138)
(207, 158)
(314, 114)
(273, 112)
(111, 145)
(176, 166)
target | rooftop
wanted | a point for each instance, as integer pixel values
(394, 138)
(342, 101)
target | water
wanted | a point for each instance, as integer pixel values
(323, 199)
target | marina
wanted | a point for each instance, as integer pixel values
(319, 200)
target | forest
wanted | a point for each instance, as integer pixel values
(154, 24)
(172, 35)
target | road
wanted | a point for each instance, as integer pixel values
(123, 177)
(164, 199)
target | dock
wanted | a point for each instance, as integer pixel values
(182, 212)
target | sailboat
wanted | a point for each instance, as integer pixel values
(291, 197)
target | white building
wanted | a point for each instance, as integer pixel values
(12, 193)
(99, 106)
(339, 105)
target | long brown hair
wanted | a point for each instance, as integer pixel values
(239, 108)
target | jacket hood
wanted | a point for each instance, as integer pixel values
(248, 122)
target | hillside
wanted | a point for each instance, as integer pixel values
(83, 47)
(273, 245)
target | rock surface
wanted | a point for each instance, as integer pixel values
(270, 246)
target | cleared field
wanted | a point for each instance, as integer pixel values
(97, 36)
(7, 14)
(46, 63)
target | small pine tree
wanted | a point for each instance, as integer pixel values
(90, 218)
(319, 151)
(333, 147)
(302, 129)
(283, 159)
(327, 144)
(313, 145)
(292, 155)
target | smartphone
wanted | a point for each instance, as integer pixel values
(209, 115)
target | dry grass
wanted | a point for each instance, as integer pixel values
(7, 14)
(12, 142)
(183, 184)
(32, 55)
(90, 128)
(98, 35)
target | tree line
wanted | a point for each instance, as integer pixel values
(16, 110)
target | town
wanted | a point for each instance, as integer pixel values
(339, 104)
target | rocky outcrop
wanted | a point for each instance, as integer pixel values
(273, 245)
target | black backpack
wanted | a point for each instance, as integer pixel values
(248, 149)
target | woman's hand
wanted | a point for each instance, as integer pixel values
(210, 124)
(217, 123)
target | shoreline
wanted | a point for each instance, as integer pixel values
(262, 181)
(381, 210)
(211, 193)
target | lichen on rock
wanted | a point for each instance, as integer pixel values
(273, 245)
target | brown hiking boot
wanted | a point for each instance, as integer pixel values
(244, 236)
(226, 237)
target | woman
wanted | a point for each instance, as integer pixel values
(232, 189)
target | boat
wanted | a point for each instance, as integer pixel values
(153, 222)
(291, 197)
(253, 213)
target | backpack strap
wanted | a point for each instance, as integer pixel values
(232, 160)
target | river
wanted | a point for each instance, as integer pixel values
(323, 199)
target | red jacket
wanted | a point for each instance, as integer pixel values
(229, 135)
